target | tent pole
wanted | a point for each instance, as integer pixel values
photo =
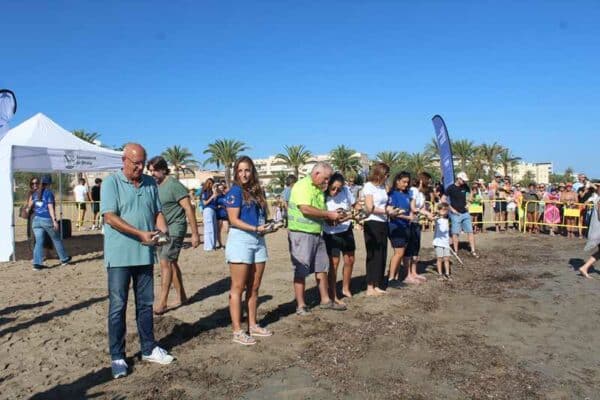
(61, 203)
(12, 186)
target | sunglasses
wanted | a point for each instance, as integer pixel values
(335, 189)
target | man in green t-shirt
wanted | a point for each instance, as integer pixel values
(176, 206)
(306, 213)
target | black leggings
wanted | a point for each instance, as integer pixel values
(376, 244)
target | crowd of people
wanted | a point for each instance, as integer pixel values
(147, 216)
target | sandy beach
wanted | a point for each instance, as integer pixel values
(516, 324)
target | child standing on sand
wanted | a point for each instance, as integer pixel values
(441, 241)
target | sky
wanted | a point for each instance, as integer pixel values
(366, 74)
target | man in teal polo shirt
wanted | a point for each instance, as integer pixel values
(306, 214)
(132, 217)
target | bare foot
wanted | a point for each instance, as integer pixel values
(372, 293)
(338, 301)
(160, 310)
(179, 303)
(347, 293)
(380, 291)
(420, 277)
(412, 281)
(584, 273)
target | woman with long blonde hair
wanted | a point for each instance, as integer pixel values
(246, 250)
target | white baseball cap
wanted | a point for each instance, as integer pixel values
(463, 176)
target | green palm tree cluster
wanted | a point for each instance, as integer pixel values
(295, 156)
(224, 152)
(180, 158)
(344, 159)
(90, 137)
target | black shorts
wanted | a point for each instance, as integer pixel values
(81, 206)
(399, 236)
(96, 207)
(500, 206)
(340, 243)
(414, 241)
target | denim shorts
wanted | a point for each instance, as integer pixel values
(460, 222)
(245, 247)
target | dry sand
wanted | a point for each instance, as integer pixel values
(516, 324)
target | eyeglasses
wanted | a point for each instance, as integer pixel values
(136, 163)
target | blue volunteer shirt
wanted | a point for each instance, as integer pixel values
(40, 206)
(250, 212)
(213, 203)
(136, 206)
(401, 200)
(221, 206)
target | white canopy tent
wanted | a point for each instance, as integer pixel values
(41, 145)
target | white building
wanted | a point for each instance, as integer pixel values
(269, 167)
(540, 171)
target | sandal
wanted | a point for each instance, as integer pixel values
(259, 331)
(243, 338)
(302, 311)
(474, 254)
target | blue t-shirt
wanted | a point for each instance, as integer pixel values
(221, 207)
(213, 203)
(401, 200)
(40, 206)
(250, 212)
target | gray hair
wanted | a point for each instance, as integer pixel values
(321, 166)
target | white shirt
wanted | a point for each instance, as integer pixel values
(380, 199)
(419, 197)
(344, 199)
(441, 236)
(80, 193)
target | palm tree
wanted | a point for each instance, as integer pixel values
(391, 158)
(90, 137)
(490, 153)
(528, 177)
(295, 156)
(418, 162)
(508, 161)
(180, 158)
(465, 150)
(344, 159)
(224, 152)
(432, 148)
(476, 167)
(278, 181)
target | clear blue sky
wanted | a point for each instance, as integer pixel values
(366, 74)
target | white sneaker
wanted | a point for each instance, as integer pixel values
(159, 356)
(119, 368)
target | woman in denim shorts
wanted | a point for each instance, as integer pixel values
(246, 251)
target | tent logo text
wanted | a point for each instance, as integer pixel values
(72, 160)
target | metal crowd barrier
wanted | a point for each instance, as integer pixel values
(485, 209)
(567, 210)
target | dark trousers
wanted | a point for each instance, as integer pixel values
(118, 292)
(375, 233)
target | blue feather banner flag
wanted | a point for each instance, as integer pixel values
(445, 150)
